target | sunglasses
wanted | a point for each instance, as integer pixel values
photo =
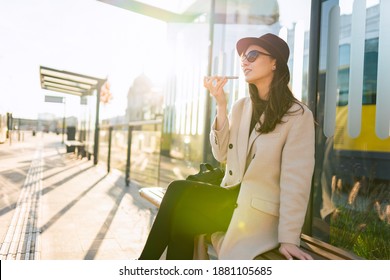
(252, 55)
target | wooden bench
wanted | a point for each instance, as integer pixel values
(75, 146)
(153, 195)
(319, 250)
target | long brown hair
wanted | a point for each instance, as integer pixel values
(280, 100)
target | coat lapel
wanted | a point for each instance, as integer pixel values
(243, 135)
(253, 136)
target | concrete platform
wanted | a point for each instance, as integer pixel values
(54, 206)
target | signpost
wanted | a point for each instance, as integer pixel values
(54, 99)
(58, 99)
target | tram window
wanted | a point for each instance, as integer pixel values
(370, 73)
(343, 80)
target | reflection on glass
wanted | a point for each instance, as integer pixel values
(352, 184)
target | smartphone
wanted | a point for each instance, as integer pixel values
(227, 77)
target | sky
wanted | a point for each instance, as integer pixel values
(86, 37)
(82, 36)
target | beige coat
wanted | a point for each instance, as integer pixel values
(276, 185)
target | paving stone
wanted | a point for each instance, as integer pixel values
(81, 213)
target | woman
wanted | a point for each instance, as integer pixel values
(267, 144)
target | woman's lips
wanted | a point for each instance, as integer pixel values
(246, 71)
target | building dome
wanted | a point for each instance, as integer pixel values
(258, 11)
(142, 80)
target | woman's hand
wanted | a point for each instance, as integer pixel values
(291, 250)
(215, 86)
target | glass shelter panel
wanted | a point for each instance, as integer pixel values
(352, 179)
(206, 46)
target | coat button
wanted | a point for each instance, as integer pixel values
(230, 172)
(230, 146)
(235, 205)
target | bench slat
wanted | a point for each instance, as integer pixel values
(153, 195)
(319, 250)
(326, 250)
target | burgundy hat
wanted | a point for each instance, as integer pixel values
(276, 46)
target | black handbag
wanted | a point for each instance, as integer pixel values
(208, 174)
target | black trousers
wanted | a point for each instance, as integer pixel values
(188, 209)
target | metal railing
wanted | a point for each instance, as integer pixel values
(110, 146)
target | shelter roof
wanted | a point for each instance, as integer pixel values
(68, 82)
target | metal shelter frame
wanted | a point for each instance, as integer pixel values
(74, 84)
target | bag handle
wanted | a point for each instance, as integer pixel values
(204, 167)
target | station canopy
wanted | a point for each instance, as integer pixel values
(187, 11)
(168, 11)
(68, 82)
